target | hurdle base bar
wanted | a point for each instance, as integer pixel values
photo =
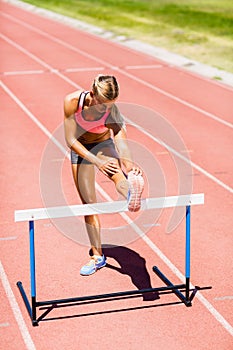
(50, 304)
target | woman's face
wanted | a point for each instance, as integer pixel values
(101, 105)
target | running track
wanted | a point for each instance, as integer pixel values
(42, 61)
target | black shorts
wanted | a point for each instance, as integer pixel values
(107, 147)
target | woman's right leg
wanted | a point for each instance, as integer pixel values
(84, 178)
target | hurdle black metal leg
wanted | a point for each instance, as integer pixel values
(187, 289)
(31, 308)
(25, 298)
(174, 288)
(34, 305)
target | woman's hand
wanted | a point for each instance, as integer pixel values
(108, 167)
(136, 170)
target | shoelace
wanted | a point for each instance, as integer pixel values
(91, 262)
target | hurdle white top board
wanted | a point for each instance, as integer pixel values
(106, 207)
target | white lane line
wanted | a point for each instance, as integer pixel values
(87, 69)
(67, 70)
(16, 310)
(154, 248)
(40, 71)
(148, 66)
(5, 324)
(131, 76)
(227, 297)
(8, 238)
(197, 167)
(23, 72)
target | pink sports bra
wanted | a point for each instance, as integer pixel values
(93, 126)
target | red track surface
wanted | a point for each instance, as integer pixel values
(199, 110)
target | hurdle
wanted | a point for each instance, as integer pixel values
(32, 215)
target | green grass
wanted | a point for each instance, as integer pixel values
(199, 29)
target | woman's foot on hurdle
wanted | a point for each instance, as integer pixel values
(96, 263)
(136, 186)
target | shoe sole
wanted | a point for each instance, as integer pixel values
(136, 186)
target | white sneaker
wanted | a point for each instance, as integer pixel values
(93, 265)
(136, 186)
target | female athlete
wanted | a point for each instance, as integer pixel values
(96, 134)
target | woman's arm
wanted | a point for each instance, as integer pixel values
(121, 143)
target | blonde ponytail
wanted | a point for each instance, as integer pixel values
(106, 87)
